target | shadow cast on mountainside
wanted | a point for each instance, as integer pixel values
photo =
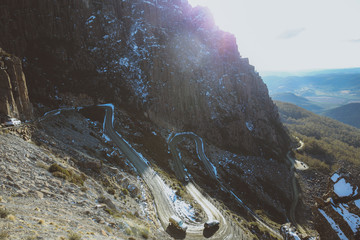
(209, 232)
(175, 233)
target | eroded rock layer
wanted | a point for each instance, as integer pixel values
(14, 99)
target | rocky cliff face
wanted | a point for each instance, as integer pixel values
(14, 99)
(162, 57)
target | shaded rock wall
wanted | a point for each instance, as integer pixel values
(14, 99)
(162, 58)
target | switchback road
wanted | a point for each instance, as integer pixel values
(164, 205)
(211, 170)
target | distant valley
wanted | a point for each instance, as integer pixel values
(332, 93)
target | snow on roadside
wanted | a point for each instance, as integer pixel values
(169, 138)
(197, 148)
(104, 125)
(237, 198)
(184, 209)
(55, 112)
(113, 112)
(136, 152)
(214, 169)
(203, 150)
(334, 226)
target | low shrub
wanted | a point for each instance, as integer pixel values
(125, 191)
(32, 238)
(74, 236)
(60, 172)
(145, 232)
(11, 217)
(4, 235)
(4, 212)
(60, 175)
(57, 168)
(41, 222)
(111, 191)
(112, 212)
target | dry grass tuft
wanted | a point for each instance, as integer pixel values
(11, 217)
(4, 235)
(41, 222)
(42, 165)
(74, 236)
(69, 175)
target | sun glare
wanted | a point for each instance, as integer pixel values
(291, 35)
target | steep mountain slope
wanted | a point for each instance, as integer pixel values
(163, 58)
(349, 114)
(98, 194)
(59, 176)
(168, 69)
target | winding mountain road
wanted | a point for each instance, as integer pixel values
(164, 205)
(211, 171)
(295, 193)
(160, 191)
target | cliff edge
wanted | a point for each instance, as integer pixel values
(14, 99)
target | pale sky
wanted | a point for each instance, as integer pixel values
(286, 35)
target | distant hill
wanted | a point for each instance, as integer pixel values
(349, 114)
(310, 84)
(310, 72)
(327, 88)
(328, 142)
(297, 100)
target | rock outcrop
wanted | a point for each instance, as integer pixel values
(164, 58)
(14, 99)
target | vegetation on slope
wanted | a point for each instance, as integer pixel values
(329, 144)
(349, 114)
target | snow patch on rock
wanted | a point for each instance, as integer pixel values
(352, 220)
(343, 188)
(333, 225)
(250, 126)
